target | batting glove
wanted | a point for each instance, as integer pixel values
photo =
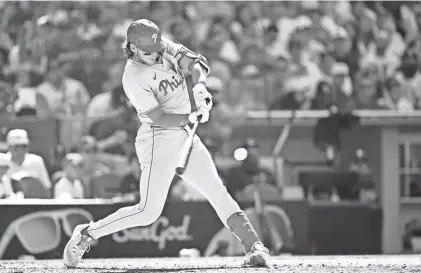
(205, 115)
(193, 117)
(202, 97)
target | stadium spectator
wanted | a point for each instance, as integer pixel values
(111, 120)
(93, 163)
(23, 161)
(218, 44)
(341, 84)
(6, 75)
(181, 33)
(386, 52)
(272, 44)
(297, 96)
(395, 97)
(411, 77)
(301, 66)
(323, 98)
(327, 60)
(67, 99)
(27, 101)
(70, 186)
(65, 96)
(6, 189)
(366, 95)
(366, 186)
(344, 51)
(7, 98)
(112, 100)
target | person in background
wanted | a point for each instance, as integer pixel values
(67, 99)
(327, 60)
(366, 94)
(70, 186)
(28, 102)
(366, 188)
(411, 76)
(219, 45)
(6, 190)
(273, 45)
(343, 51)
(65, 95)
(7, 98)
(93, 164)
(395, 97)
(110, 103)
(297, 96)
(130, 182)
(342, 92)
(23, 161)
(323, 97)
(110, 120)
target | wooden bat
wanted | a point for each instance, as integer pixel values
(266, 225)
(280, 143)
(185, 151)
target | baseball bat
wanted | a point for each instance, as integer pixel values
(185, 151)
(265, 223)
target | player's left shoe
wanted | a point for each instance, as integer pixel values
(258, 256)
(77, 246)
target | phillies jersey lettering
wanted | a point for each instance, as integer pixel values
(159, 85)
(173, 84)
(148, 87)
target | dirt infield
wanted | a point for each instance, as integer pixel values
(286, 264)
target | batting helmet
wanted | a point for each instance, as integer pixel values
(145, 35)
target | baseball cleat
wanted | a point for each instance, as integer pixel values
(76, 247)
(258, 256)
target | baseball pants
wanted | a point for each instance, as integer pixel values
(158, 150)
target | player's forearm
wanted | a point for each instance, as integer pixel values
(199, 73)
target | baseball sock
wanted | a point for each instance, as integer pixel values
(240, 225)
(86, 233)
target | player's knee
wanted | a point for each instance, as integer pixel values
(151, 217)
(149, 214)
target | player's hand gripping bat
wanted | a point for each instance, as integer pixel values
(185, 151)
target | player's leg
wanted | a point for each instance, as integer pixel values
(158, 157)
(201, 173)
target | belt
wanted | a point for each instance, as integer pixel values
(160, 127)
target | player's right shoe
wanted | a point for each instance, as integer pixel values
(258, 256)
(77, 246)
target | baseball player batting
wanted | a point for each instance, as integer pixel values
(154, 82)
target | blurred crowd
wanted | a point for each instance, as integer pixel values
(64, 60)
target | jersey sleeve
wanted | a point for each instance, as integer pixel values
(140, 94)
(182, 53)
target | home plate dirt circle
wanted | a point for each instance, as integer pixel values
(283, 264)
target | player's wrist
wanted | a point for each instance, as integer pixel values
(201, 82)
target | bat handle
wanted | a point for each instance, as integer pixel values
(185, 152)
